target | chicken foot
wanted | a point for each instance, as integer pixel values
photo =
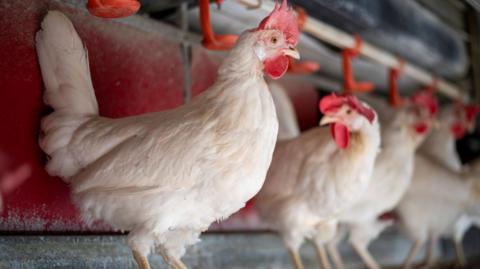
(461, 260)
(411, 255)
(365, 255)
(296, 259)
(322, 255)
(335, 255)
(178, 264)
(142, 261)
(430, 259)
(174, 263)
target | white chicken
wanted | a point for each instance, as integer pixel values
(164, 176)
(434, 202)
(468, 219)
(391, 176)
(313, 177)
(455, 121)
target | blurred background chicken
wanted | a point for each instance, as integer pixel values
(435, 200)
(438, 158)
(164, 176)
(454, 121)
(391, 176)
(318, 173)
(469, 218)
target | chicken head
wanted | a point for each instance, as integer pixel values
(345, 114)
(464, 121)
(424, 106)
(277, 35)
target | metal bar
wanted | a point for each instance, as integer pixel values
(341, 39)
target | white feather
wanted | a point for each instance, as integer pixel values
(435, 200)
(441, 197)
(68, 89)
(311, 180)
(390, 179)
(440, 144)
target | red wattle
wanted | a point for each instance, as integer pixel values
(276, 67)
(458, 130)
(113, 8)
(340, 134)
(421, 128)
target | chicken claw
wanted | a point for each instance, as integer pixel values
(178, 264)
(141, 260)
(322, 255)
(365, 255)
(174, 263)
(411, 255)
(296, 259)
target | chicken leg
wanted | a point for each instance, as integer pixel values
(141, 260)
(462, 262)
(296, 259)
(411, 255)
(322, 255)
(174, 263)
(335, 255)
(430, 259)
(178, 264)
(365, 255)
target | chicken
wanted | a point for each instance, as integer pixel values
(468, 219)
(434, 202)
(313, 177)
(164, 176)
(454, 122)
(391, 175)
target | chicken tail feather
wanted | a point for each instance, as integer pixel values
(68, 89)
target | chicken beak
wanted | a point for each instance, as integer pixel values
(326, 119)
(292, 52)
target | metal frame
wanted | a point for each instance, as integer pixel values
(338, 38)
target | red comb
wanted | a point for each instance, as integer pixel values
(113, 8)
(426, 99)
(282, 18)
(333, 102)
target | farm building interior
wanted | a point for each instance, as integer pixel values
(193, 134)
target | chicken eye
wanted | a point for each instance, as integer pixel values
(349, 111)
(274, 40)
